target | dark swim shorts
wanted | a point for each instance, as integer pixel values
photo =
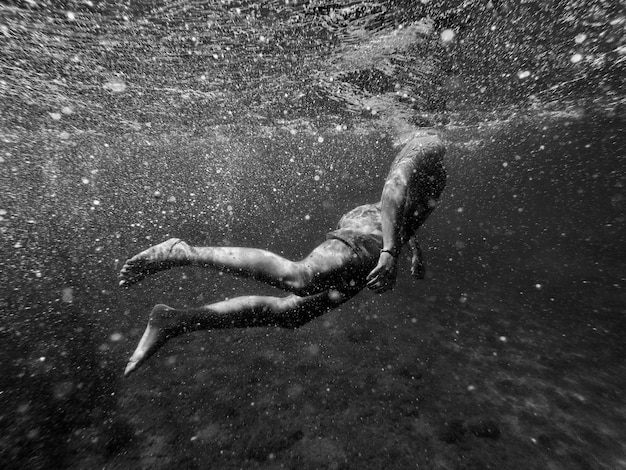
(361, 230)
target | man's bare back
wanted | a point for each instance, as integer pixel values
(361, 252)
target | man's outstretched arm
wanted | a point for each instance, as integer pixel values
(423, 152)
(393, 201)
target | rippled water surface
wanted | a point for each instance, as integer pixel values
(259, 124)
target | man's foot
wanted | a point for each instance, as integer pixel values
(160, 328)
(157, 258)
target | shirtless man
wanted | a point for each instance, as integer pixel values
(361, 253)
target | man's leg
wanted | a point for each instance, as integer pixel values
(317, 272)
(292, 311)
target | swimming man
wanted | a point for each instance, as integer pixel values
(362, 252)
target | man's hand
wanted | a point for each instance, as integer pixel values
(383, 276)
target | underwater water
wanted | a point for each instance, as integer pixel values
(259, 124)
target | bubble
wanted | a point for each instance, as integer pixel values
(71, 16)
(295, 390)
(334, 295)
(320, 139)
(157, 194)
(67, 110)
(55, 116)
(447, 36)
(67, 295)
(115, 85)
(522, 74)
(307, 217)
(85, 180)
(115, 337)
(96, 202)
(503, 339)
(316, 177)
(64, 135)
(576, 58)
(580, 38)
(62, 389)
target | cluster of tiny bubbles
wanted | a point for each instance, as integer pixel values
(295, 390)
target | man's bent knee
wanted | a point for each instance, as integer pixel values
(298, 311)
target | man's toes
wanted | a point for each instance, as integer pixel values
(125, 269)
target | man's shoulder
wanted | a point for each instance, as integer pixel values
(423, 147)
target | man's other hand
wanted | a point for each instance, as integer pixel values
(383, 276)
(418, 268)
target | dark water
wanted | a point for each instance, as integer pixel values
(259, 124)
